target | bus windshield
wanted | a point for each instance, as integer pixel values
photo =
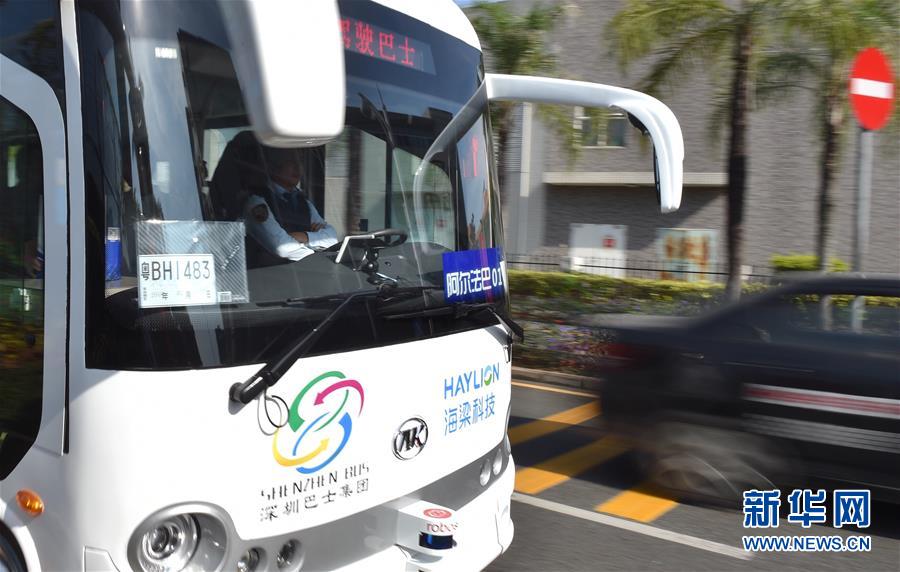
(207, 249)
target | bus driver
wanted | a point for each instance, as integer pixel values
(285, 222)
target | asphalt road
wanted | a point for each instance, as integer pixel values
(580, 505)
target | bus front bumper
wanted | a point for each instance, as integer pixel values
(388, 537)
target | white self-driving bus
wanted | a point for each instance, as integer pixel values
(182, 391)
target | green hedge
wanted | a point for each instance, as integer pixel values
(561, 297)
(796, 262)
(589, 286)
(580, 289)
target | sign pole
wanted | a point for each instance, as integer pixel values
(861, 228)
(872, 98)
(863, 198)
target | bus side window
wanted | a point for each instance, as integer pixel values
(21, 284)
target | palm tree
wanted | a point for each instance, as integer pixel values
(515, 44)
(723, 37)
(816, 56)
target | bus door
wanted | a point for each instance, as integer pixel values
(33, 254)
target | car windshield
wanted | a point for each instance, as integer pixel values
(207, 249)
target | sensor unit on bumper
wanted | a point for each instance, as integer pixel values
(426, 528)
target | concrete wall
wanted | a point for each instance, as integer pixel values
(634, 206)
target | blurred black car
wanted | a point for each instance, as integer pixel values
(785, 388)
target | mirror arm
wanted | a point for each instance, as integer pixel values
(650, 113)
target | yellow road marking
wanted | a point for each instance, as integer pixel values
(533, 480)
(553, 389)
(642, 503)
(555, 422)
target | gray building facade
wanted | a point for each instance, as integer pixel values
(549, 189)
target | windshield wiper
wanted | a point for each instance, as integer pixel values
(461, 310)
(276, 368)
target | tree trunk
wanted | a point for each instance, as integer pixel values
(737, 159)
(832, 120)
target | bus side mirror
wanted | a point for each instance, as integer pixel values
(294, 91)
(647, 113)
(636, 123)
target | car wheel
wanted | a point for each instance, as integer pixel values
(709, 465)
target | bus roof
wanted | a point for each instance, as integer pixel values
(444, 15)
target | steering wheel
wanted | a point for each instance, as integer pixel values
(385, 238)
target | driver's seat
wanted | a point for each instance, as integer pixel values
(239, 174)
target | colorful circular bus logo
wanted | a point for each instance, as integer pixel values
(321, 419)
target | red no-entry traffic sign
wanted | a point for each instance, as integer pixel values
(872, 89)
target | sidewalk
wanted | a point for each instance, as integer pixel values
(555, 378)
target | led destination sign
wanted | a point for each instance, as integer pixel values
(370, 40)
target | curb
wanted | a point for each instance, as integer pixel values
(557, 378)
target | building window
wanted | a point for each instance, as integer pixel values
(600, 127)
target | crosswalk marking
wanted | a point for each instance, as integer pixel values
(642, 503)
(555, 422)
(533, 480)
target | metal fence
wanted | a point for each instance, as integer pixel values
(631, 268)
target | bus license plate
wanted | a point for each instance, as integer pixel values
(176, 280)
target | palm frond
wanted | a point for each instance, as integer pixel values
(516, 44)
(678, 57)
(779, 73)
(643, 25)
